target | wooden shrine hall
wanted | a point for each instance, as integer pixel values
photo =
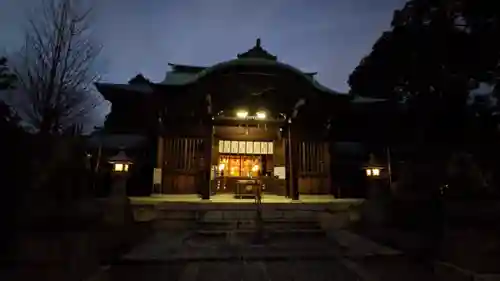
(210, 129)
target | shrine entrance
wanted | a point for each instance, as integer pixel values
(240, 165)
(239, 162)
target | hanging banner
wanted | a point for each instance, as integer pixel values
(249, 149)
(242, 147)
(270, 148)
(246, 147)
(227, 146)
(256, 147)
(234, 147)
(221, 146)
(263, 147)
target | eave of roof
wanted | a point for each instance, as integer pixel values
(186, 68)
(138, 88)
(366, 100)
(179, 78)
(194, 69)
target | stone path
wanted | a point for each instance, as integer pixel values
(355, 246)
(264, 270)
(295, 250)
(219, 251)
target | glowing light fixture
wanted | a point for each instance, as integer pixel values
(121, 162)
(374, 172)
(373, 169)
(242, 114)
(261, 115)
(221, 166)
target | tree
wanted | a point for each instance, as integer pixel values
(55, 67)
(7, 78)
(431, 43)
(434, 54)
(8, 118)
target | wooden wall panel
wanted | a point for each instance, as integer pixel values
(314, 172)
(279, 155)
(181, 165)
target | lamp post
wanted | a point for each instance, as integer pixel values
(119, 211)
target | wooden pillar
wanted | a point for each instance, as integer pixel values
(286, 157)
(160, 152)
(279, 160)
(160, 156)
(327, 169)
(207, 159)
(295, 166)
(293, 162)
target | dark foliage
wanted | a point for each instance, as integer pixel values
(435, 53)
(7, 78)
(434, 50)
(13, 177)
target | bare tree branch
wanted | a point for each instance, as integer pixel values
(55, 66)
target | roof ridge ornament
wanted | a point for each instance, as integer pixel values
(139, 79)
(257, 52)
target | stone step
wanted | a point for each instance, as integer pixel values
(269, 227)
(283, 221)
(251, 223)
(274, 232)
(248, 254)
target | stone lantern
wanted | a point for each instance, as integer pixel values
(121, 163)
(378, 195)
(119, 211)
(373, 169)
(376, 176)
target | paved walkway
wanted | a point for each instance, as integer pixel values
(293, 251)
(229, 254)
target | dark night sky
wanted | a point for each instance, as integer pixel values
(327, 36)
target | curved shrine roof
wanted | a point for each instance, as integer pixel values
(181, 75)
(184, 78)
(256, 56)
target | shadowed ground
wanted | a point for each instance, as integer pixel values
(226, 250)
(220, 244)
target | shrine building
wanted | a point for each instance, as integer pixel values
(204, 129)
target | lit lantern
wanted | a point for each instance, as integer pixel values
(121, 162)
(242, 114)
(372, 172)
(373, 169)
